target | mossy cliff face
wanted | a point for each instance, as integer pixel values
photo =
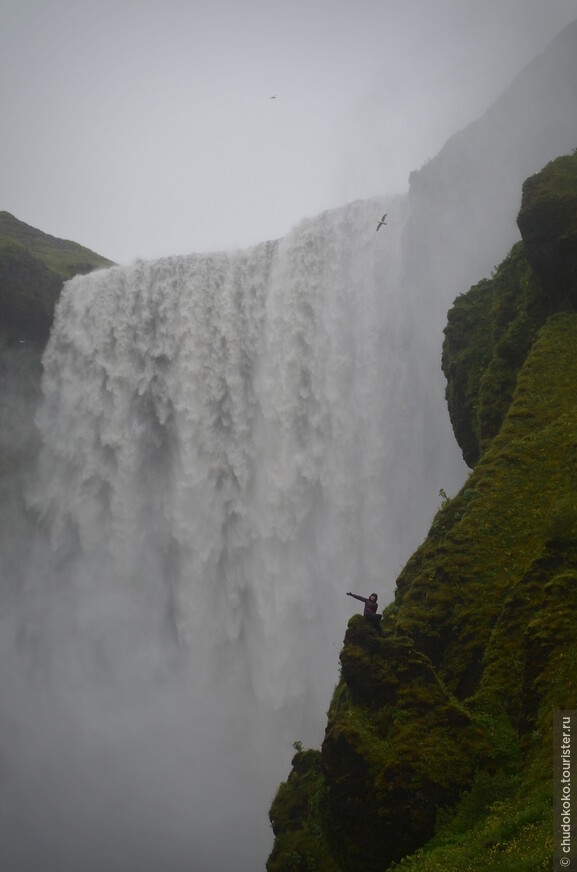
(33, 268)
(400, 748)
(491, 328)
(550, 234)
(439, 735)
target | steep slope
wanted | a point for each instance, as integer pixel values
(463, 204)
(466, 197)
(491, 328)
(439, 735)
(33, 267)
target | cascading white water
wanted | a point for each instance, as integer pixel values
(224, 456)
(230, 442)
(215, 430)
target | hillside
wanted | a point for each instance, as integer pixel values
(462, 208)
(438, 746)
(33, 267)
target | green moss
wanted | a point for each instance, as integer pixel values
(60, 256)
(488, 335)
(548, 223)
(491, 328)
(488, 833)
(438, 749)
(297, 815)
(490, 596)
(401, 746)
(466, 355)
(33, 267)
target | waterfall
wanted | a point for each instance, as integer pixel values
(228, 443)
(217, 437)
(224, 453)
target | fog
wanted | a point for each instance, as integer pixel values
(224, 444)
(142, 129)
(217, 467)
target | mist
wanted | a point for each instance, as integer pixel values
(216, 467)
(221, 446)
(142, 130)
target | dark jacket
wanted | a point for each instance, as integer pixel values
(371, 606)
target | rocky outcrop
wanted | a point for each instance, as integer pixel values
(491, 328)
(437, 746)
(33, 268)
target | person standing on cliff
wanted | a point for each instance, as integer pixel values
(370, 611)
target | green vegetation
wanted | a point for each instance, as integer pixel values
(491, 328)
(488, 335)
(548, 224)
(438, 748)
(295, 815)
(33, 268)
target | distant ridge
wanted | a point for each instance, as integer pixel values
(467, 196)
(462, 209)
(33, 268)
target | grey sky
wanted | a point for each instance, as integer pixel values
(143, 128)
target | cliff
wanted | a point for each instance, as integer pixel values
(33, 268)
(462, 208)
(438, 746)
(490, 329)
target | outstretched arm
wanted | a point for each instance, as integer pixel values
(356, 596)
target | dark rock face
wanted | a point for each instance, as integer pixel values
(403, 748)
(491, 328)
(33, 268)
(449, 712)
(548, 224)
(438, 737)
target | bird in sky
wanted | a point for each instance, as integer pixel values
(382, 221)
(273, 97)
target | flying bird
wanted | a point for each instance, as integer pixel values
(273, 97)
(382, 221)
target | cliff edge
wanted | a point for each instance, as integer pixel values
(438, 747)
(33, 268)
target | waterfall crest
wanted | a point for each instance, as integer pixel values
(215, 436)
(224, 453)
